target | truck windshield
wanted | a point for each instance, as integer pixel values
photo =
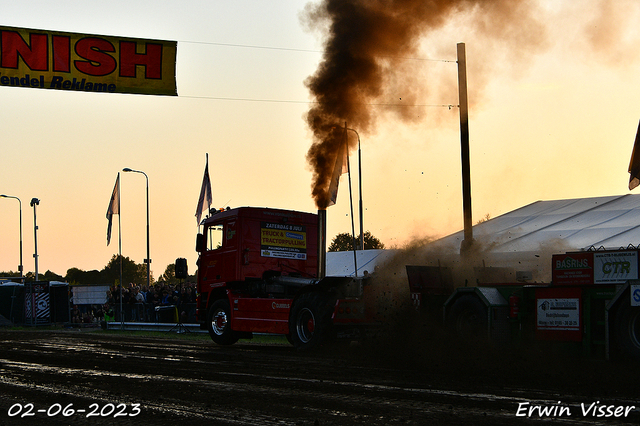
(214, 237)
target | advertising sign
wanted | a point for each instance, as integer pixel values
(90, 295)
(283, 241)
(635, 295)
(558, 315)
(573, 268)
(36, 303)
(86, 63)
(615, 267)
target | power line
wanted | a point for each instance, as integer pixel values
(252, 46)
(249, 46)
(218, 98)
(285, 101)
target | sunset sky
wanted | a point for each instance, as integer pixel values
(554, 97)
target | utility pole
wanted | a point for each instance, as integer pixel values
(464, 149)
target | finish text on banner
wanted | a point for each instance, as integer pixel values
(86, 63)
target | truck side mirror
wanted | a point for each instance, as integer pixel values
(200, 243)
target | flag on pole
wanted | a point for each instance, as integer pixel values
(339, 169)
(114, 207)
(205, 200)
(634, 164)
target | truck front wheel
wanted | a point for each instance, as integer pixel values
(310, 321)
(218, 323)
(627, 329)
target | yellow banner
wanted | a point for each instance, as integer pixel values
(275, 238)
(283, 240)
(86, 63)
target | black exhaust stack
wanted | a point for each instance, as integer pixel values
(322, 243)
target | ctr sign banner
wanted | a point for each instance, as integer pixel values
(615, 267)
(86, 63)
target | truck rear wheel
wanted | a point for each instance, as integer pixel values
(310, 321)
(468, 318)
(218, 323)
(627, 329)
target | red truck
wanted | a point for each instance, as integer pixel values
(261, 270)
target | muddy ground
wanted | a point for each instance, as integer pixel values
(95, 377)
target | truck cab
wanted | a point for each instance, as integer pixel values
(249, 243)
(258, 272)
(243, 249)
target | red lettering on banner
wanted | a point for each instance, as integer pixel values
(151, 60)
(97, 62)
(61, 53)
(71, 61)
(34, 53)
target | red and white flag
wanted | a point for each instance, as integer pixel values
(340, 168)
(206, 198)
(114, 207)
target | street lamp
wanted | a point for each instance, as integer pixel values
(148, 259)
(20, 202)
(34, 202)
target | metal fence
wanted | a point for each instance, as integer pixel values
(149, 313)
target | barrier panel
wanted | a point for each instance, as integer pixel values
(167, 314)
(46, 302)
(149, 313)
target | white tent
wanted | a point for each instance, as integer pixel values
(524, 239)
(341, 263)
(521, 240)
(577, 224)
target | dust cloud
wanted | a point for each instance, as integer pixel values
(448, 269)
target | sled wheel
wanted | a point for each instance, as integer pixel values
(627, 329)
(468, 319)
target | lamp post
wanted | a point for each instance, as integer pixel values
(20, 202)
(34, 202)
(148, 259)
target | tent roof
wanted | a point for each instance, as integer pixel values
(577, 224)
(341, 264)
(526, 237)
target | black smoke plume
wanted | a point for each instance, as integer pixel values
(362, 41)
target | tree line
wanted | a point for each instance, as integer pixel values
(132, 272)
(346, 242)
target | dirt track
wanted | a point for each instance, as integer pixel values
(187, 381)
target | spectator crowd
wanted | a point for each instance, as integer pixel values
(160, 302)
